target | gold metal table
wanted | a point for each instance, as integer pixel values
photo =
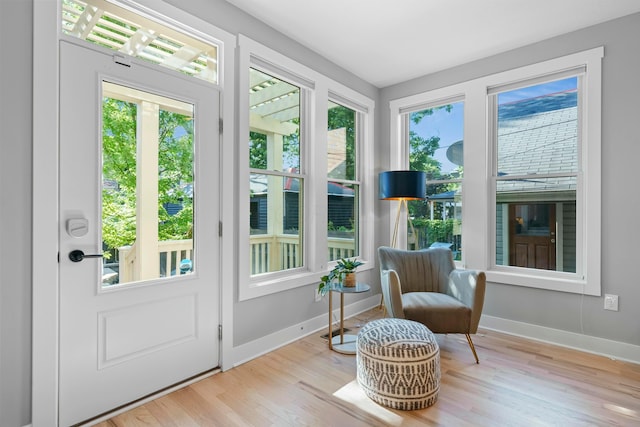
(343, 343)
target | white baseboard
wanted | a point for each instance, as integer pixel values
(604, 347)
(246, 352)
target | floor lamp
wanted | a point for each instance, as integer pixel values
(402, 186)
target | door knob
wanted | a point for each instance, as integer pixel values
(77, 255)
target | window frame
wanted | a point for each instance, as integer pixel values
(580, 74)
(479, 229)
(316, 91)
(306, 89)
(359, 119)
(406, 131)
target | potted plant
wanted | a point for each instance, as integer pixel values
(344, 272)
(348, 269)
(325, 281)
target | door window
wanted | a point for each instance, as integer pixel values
(147, 185)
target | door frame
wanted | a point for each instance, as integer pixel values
(45, 284)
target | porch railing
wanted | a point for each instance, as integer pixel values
(280, 252)
(266, 253)
(170, 253)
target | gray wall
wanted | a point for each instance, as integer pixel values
(620, 198)
(257, 317)
(15, 212)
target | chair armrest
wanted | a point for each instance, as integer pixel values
(392, 293)
(468, 286)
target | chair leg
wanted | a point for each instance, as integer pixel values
(473, 348)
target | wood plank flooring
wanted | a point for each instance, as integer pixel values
(517, 383)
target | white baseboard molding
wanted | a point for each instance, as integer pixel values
(246, 352)
(601, 346)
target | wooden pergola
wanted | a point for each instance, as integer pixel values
(121, 30)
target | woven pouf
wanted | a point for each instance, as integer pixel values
(398, 363)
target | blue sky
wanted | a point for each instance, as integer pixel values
(541, 89)
(448, 126)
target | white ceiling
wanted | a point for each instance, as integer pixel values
(390, 41)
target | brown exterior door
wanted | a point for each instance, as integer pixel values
(532, 235)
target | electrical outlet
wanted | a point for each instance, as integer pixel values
(317, 295)
(611, 302)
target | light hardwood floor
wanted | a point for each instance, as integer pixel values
(517, 383)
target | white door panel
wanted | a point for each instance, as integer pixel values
(124, 339)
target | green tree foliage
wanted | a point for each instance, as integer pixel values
(119, 169)
(436, 230)
(175, 174)
(421, 158)
(421, 154)
(257, 150)
(422, 149)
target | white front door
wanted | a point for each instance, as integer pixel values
(138, 185)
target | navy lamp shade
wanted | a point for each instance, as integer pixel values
(402, 185)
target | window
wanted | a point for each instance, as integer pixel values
(531, 139)
(436, 147)
(343, 185)
(536, 146)
(113, 27)
(305, 171)
(276, 182)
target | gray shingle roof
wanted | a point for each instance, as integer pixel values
(538, 136)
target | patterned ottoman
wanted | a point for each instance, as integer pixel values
(398, 363)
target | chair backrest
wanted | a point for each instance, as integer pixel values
(392, 294)
(425, 270)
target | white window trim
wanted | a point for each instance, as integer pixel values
(478, 197)
(319, 89)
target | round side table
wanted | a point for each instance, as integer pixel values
(343, 343)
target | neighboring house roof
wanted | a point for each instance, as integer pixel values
(538, 136)
(535, 136)
(446, 196)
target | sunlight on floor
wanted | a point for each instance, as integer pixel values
(621, 410)
(353, 394)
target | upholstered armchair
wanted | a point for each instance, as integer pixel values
(426, 287)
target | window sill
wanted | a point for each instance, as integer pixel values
(279, 282)
(561, 283)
